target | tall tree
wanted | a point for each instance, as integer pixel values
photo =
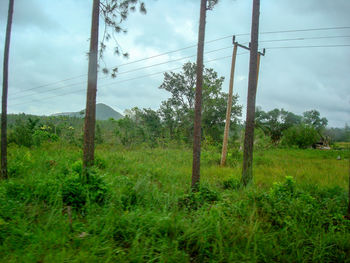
(247, 173)
(275, 122)
(177, 111)
(205, 5)
(114, 12)
(90, 113)
(5, 91)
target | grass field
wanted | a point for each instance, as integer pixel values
(138, 207)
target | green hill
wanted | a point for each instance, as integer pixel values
(103, 112)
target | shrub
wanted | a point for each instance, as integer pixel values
(196, 199)
(41, 136)
(231, 183)
(301, 135)
(75, 193)
(77, 167)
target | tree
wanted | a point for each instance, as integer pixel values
(5, 91)
(205, 5)
(313, 118)
(275, 122)
(247, 172)
(114, 12)
(198, 100)
(177, 112)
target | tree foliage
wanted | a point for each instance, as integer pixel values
(114, 13)
(274, 122)
(177, 112)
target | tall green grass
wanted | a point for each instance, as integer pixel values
(293, 212)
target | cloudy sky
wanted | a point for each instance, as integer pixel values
(48, 62)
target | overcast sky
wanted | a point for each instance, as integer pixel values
(50, 40)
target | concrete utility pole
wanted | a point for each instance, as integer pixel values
(247, 171)
(229, 105)
(5, 91)
(229, 102)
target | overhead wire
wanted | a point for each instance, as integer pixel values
(144, 76)
(191, 46)
(162, 63)
(132, 70)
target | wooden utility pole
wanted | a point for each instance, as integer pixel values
(5, 92)
(198, 102)
(247, 171)
(229, 102)
(90, 112)
(229, 105)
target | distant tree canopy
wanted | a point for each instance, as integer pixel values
(313, 118)
(274, 122)
(278, 122)
(339, 134)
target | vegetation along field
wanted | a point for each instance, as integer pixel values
(138, 207)
(181, 177)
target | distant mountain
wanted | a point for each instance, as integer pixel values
(103, 112)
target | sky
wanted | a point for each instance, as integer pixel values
(50, 41)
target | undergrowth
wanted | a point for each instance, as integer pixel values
(137, 207)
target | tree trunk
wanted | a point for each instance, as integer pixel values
(90, 112)
(247, 173)
(198, 102)
(4, 92)
(348, 215)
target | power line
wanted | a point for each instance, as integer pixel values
(305, 30)
(191, 46)
(302, 38)
(143, 76)
(323, 46)
(182, 58)
(107, 84)
(132, 70)
(127, 63)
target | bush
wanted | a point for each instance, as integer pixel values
(231, 183)
(41, 136)
(195, 200)
(301, 135)
(75, 193)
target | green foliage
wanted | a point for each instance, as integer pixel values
(232, 183)
(137, 211)
(301, 135)
(178, 111)
(313, 119)
(40, 136)
(275, 122)
(22, 133)
(196, 199)
(77, 167)
(75, 193)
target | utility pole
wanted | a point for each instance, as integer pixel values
(229, 102)
(90, 112)
(229, 105)
(247, 171)
(198, 102)
(5, 92)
